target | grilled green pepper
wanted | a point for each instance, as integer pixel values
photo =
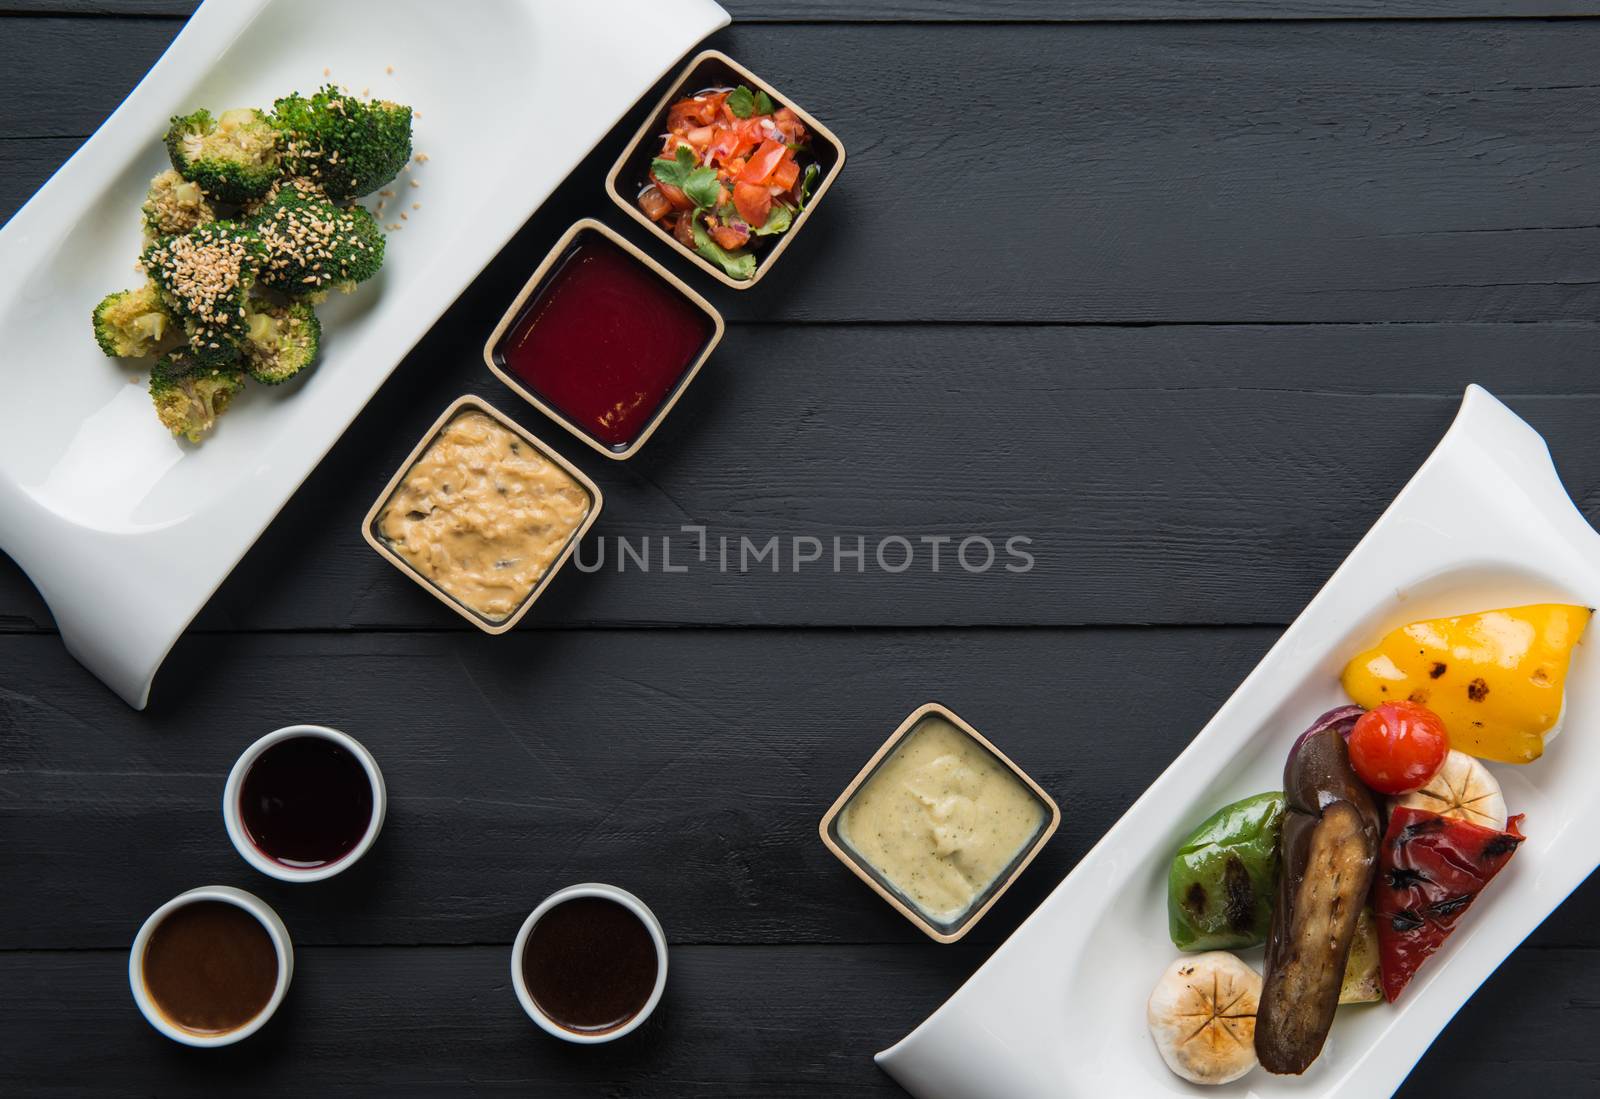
(1224, 878)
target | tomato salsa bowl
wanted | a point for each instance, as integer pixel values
(726, 170)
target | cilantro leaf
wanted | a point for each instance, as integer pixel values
(702, 187)
(684, 172)
(778, 221)
(738, 265)
(742, 102)
(675, 171)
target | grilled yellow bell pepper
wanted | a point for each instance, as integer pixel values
(1496, 678)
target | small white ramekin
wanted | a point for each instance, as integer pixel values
(605, 892)
(228, 895)
(253, 854)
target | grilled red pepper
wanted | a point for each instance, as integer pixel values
(1430, 869)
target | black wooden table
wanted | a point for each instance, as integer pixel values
(1182, 290)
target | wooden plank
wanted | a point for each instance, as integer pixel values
(25, 166)
(1221, 172)
(986, 11)
(736, 1021)
(689, 766)
(1173, 474)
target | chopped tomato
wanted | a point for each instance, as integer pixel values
(729, 145)
(654, 204)
(696, 111)
(753, 201)
(730, 236)
(673, 194)
(789, 126)
(700, 136)
(684, 230)
(761, 165)
(787, 171)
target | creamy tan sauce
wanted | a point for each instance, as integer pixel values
(483, 515)
(941, 819)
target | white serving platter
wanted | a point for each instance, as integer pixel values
(125, 531)
(1059, 1010)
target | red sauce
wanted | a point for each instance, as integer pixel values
(605, 341)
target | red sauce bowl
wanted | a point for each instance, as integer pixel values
(603, 340)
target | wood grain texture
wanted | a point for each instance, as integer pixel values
(1222, 172)
(986, 11)
(689, 766)
(1172, 474)
(1310, 177)
(736, 1021)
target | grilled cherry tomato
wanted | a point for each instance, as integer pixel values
(1396, 747)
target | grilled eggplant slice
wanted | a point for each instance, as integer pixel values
(1328, 855)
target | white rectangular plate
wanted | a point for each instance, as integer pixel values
(127, 532)
(1058, 1010)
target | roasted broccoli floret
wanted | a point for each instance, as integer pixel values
(133, 323)
(189, 397)
(310, 245)
(174, 205)
(349, 146)
(281, 341)
(205, 277)
(233, 157)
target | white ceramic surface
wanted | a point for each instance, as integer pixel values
(228, 895)
(605, 892)
(241, 839)
(1058, 1010)
(126, 531)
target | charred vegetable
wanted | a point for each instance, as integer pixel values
(1328, 855)
(1221, 884)
(1433, 868)
(1202, 1016)
(1363, 980)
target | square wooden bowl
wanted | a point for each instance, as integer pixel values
(536, 282)
(484, 623)
(940, 932)
(713, 68)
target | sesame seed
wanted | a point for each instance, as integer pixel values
(327, 72)
(416, 205)
(414, 183)
(389, 69)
